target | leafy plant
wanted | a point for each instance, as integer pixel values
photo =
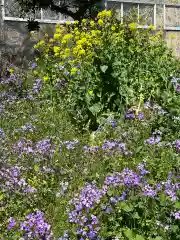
(108, 67)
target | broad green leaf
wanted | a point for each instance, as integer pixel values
(95, 108)
(158, 238)
(177, 205)
(139, 237)
(129, 234)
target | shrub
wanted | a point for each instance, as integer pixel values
(107, 67)
(118, 182)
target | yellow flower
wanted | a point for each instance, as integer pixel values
(41, 43)
(45, 78)
(67, 51)
(84, 21)
(75, 50)
(100, 22)
(35, 46)
(92, 23)
(153, 38)
(56, 49)
(152, 27)
(109, 13)
(81, 52)
(11, 70)
(79, 46)
(51, 40)
(68, 23)
(113, 28)
(57, 36)
(74, 71)
(67, 36)
(90, 92)
(133, 26)
(104, 14)
(76, 22)
(64, 41)
(59, 29)
(77, 33)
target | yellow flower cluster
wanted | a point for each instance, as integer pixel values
(39, 44)
(73, 43)
(105, 14)
(133, 26)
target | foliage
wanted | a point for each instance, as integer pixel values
(108, 67)
(76, 9)
(118, 182)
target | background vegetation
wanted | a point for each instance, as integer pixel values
(90, 136)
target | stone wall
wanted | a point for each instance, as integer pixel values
(15, 42)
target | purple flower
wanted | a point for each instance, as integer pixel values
(178, 87)
(33, 65)
(44, 147)
(23, 146)
(157, 133)
(141, 116)
(177, 145)
(113, 123)
(2, 133)
(153, 140)
(176, 215)
(92, 149)
(149, 191)
(70, 144)
(113, 145)
(171, 189)
(130, 116)
(148, 104)
(26, 128)
(36, 226)
(12, 223)
(94, 219)
(126, 178)
(37, 86)
(142, 169)
(60, 84)
(29, 189)
(108, 210)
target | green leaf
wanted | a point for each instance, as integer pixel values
(126, 207)
(158, 238)
(177, 205)
(139, 237)
(136, 215)
(36, 168)
(110, 192)
(104, 68)
(175, 228)
(129, 234)
(95, 108)
(1, 197)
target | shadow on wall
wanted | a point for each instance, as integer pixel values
(16, 45)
